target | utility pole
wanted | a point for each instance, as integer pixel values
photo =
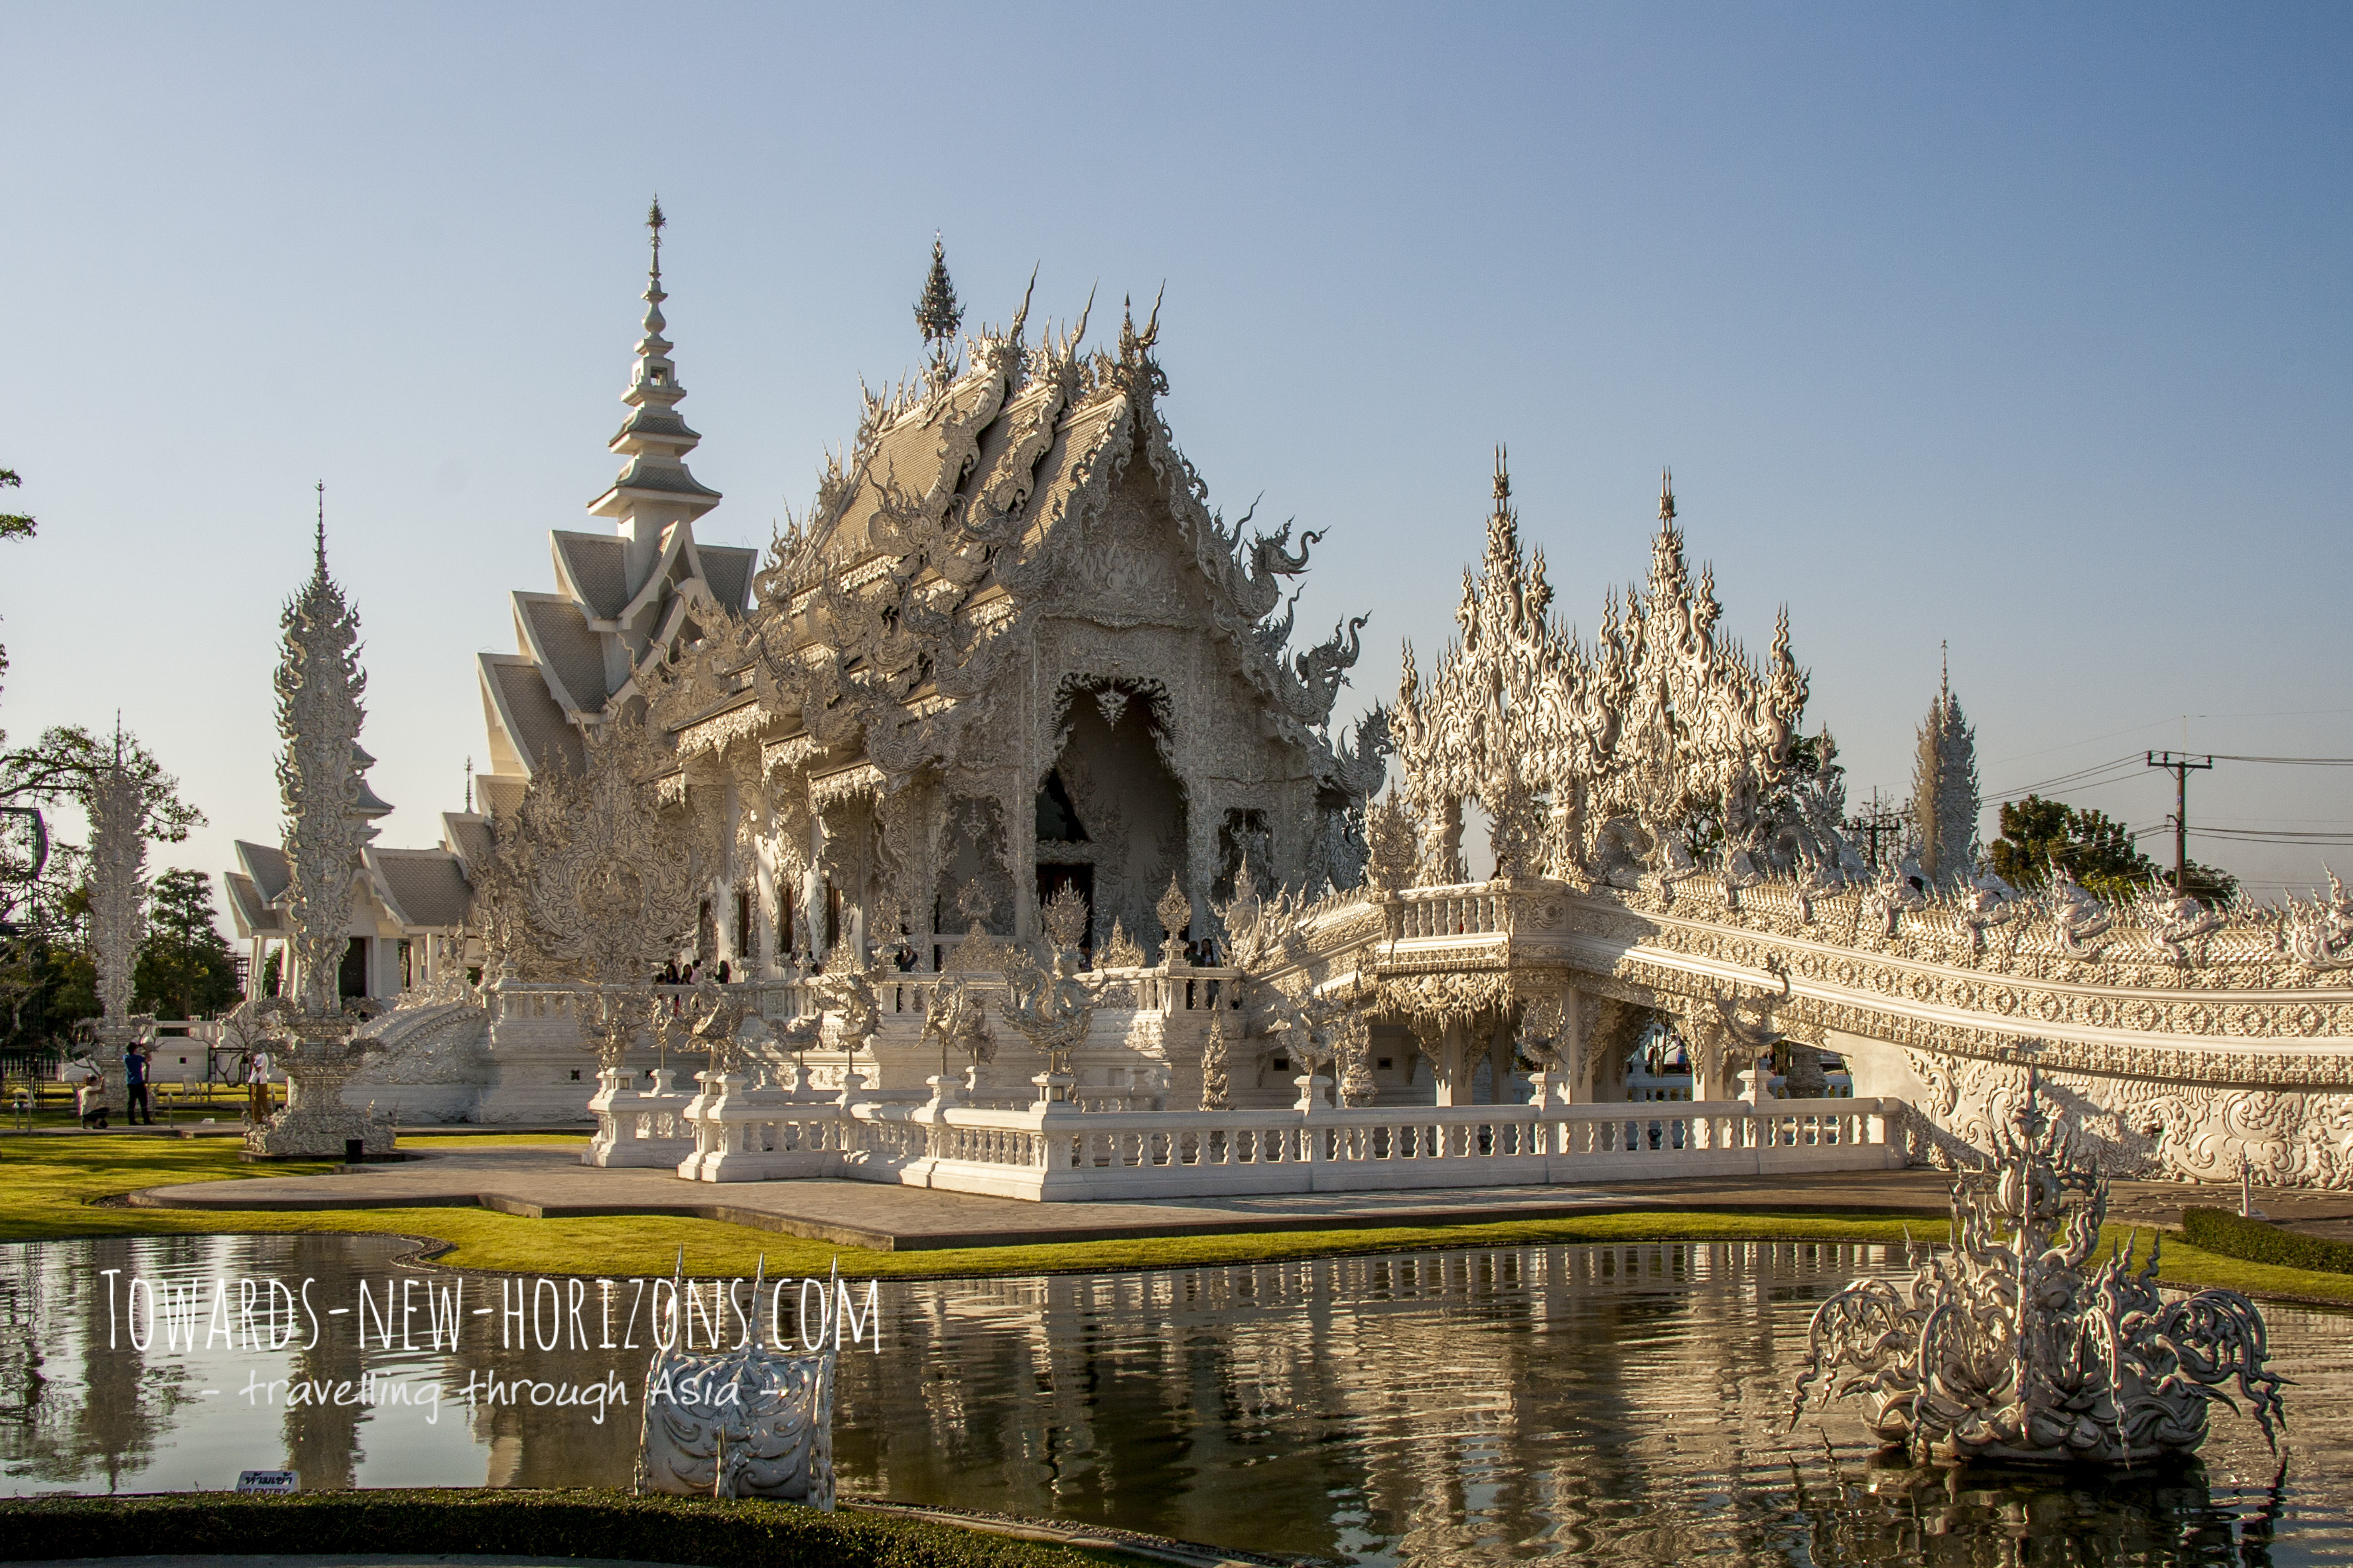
(2180, 765)
(1871, 823)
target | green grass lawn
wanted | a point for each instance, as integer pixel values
(425, 1523)
(54, 1187)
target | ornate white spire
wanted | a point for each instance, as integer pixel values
(653, 440)
(1945, 799)
(328, 805)
(118, 886)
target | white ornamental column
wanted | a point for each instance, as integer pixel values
(319, 684)
(117, 900)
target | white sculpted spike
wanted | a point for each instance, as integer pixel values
(1175, 912)
(319, 684)
(1064, 916)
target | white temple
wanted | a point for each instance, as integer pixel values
(1041, 870)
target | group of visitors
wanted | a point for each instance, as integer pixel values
(138, 1110)
(695, 973)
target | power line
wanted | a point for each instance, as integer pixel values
(2290, 762)
(2272, 836)
(2082, 778)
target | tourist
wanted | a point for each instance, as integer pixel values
(134, 1086)
(722, 971)
(90, 1095)
(256, 1078)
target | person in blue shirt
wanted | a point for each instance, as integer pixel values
(134, 1086)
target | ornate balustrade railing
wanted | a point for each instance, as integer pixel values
(1475, 909)
(1058, 1154)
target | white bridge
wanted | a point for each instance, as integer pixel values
(2179, 1058)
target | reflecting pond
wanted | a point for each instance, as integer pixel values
(1617, 1403)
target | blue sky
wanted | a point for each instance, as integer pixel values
(2023, 328)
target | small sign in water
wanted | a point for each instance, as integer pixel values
(272, 1481)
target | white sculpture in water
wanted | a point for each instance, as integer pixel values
(741, 1423)
(2015, 1344)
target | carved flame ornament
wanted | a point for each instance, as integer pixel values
(2016, 1345)
(592, 880)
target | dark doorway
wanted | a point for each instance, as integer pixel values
(350, 979)
(1052, 879)
(1057, 819)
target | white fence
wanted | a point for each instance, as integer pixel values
(1060, 1153)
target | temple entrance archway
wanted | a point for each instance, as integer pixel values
(1115, 811)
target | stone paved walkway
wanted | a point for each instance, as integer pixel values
(547, 1180)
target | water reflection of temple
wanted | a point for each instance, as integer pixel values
(74, 1411)
(1209, 1392)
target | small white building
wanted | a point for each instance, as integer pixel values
(402, 901)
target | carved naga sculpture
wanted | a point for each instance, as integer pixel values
(2320, 933)
(1323, 669)
(1051, 1008)
(1895, 894)
(2174, 922)
(956, 1020)
(2077, 914)
(847, 987)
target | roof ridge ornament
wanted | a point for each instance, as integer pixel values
(1666, 495)
(653, 441)
(938, 315)
(1134, 344)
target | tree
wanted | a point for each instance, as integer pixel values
(184, 969)
(2096, 850)
(46, 974)
(13, 525)
(67, 759)
(47, 982)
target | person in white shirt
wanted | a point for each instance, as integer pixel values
(257, 1079)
